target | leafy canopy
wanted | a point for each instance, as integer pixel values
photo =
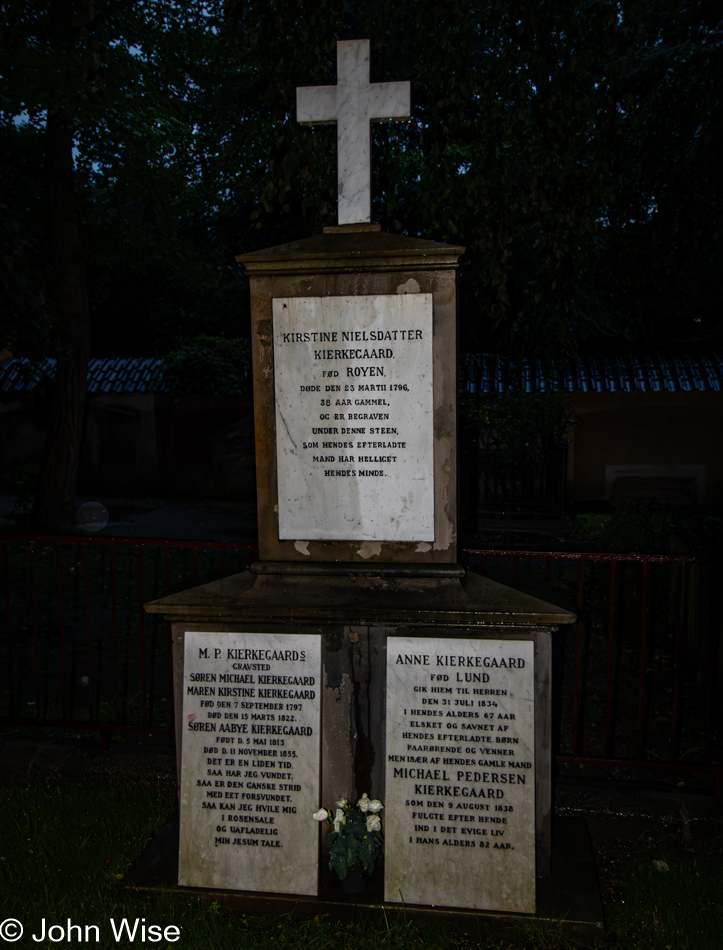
(572, 148)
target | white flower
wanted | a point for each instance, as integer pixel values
(339, 819)
(374, 823)
(321, 815)
(363, 804)
(343, 803)
(375, 805)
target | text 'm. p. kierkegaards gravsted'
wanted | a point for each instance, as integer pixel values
(250, 761)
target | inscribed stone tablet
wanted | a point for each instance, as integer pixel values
(354, 440)
(460, 774)
(250, 762)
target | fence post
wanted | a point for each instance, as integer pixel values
(9, 632)
(643, 660)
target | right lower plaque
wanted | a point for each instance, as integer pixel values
(460, 773)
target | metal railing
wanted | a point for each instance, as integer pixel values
(636, 679)
(512, 483)
(78, 650)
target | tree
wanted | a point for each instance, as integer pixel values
(572, 148)
(55, 29)
(92, 117)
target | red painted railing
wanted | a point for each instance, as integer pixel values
(111, 672)
(637, 681)
(636, 678)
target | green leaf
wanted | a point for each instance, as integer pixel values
(339, 864)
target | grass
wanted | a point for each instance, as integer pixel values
(64, 848)
(670, 897)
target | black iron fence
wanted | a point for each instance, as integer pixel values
(512, 483)
(637, 680)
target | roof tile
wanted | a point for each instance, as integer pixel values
(478, 373)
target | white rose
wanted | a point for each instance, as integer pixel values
(321, 815)
(363, 804)
(374, 823)
(343, 803)
(375, 805)
(339, 819)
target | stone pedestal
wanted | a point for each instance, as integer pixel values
(354, 350)
(432, 684)
(357, 611)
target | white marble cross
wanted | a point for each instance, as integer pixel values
(354, 103)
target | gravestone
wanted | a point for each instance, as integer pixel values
(460, 777)
(354, 373)
(251, 709)
(369, 718)
(354, 404)
(354, 352)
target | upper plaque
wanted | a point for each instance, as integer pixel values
(354, 401)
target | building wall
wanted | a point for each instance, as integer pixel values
(206, 445)
(677, 434)
(119, 443)
(144, 443)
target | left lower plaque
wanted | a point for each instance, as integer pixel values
(250, 767)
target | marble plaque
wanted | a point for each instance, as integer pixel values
(460, 774)
(250, 774)
(354, 438)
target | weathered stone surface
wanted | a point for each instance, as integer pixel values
(358, 253)
(250, 774)
(353, 103)
(354, 405)
(460, 773)
(361, 594)
(356, 263)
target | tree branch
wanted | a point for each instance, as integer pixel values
(106, 13)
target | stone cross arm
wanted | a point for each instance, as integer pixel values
(353, 103)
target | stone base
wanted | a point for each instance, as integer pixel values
(567, 902)
(357, 609)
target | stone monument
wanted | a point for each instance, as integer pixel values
(423, 684)
(460, 752)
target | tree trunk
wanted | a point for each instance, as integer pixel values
(55, 493)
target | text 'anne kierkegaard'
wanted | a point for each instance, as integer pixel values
(460, 760)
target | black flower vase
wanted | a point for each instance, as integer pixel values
(355, 882)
